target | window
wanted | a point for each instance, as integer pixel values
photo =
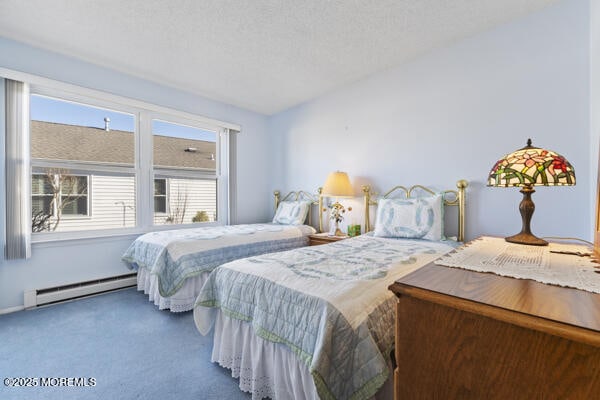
(41, 195)
(73, 198)
(160, 196)
(186, 156)
(74, 144)
(100, 162)
(55, 196)
(59, 194)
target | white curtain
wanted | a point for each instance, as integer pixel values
(18, 177)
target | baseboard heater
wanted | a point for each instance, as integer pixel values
(40, 297)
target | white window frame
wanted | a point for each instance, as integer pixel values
(88, 213)
(142, 170)
(191, 173)
(76, 167)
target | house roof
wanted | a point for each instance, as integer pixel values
(55, 141)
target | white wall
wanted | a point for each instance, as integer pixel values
(60, 263)
(452, 113)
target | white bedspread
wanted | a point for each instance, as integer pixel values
(175, 255)
(329, 304)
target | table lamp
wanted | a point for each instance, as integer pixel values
(526, 168)
(337, 185)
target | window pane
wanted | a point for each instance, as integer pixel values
(160, 187)
(160, 204)
(40, 184)
(190, 201)
(40, 214)
(74, 205)
(74, 185)
(62, 130)
(160, 196)
(183, 147)
(68, 192)
(69, 141)
(180, 148)
(41, 204)
(101, 201)
(84, 167)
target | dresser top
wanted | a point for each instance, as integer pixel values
(535, 302)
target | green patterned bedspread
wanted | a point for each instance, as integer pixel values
(175, 255)
(329, 304)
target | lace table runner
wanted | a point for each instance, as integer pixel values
(539, 263)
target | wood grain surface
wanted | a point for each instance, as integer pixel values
(469, 335)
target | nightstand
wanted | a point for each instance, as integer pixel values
(324, 238)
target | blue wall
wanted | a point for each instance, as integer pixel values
(73, 261)
(452, 113)
(447, 115)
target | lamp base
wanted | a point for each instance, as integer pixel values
(526, 207)
(338, 232)
(526, 238)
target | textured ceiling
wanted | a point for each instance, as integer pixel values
(262, 55)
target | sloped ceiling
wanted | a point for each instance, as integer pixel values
(262, 55)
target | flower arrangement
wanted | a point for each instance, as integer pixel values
(336, 214)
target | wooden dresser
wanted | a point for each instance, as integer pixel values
(469, 335)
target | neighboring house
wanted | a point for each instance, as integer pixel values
(72, 166)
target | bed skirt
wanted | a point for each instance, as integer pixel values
(266, 369)
(182, 300)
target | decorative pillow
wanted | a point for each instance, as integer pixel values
(291, 212)
(420, 218)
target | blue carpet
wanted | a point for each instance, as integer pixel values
(130, 349)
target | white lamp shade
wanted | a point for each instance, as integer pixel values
(338, 185)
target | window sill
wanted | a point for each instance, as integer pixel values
(41, 240)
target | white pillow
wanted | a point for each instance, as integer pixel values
(291, 212)
(420, 218)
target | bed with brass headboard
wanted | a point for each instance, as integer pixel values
(173, 265)
(450, 198)
(317, 322)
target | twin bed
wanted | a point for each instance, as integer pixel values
(313, 322)
(173, 265)
(317, 322)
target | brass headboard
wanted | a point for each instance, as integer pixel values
(451, 198)
(315, 200)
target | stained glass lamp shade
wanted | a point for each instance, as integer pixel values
(526, 168)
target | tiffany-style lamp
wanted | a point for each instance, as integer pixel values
(526, 168)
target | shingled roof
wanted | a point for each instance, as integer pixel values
(55, 141)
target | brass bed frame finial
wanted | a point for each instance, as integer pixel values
(320, 202)
(458, 200)
(368, 203)
(277, 195)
